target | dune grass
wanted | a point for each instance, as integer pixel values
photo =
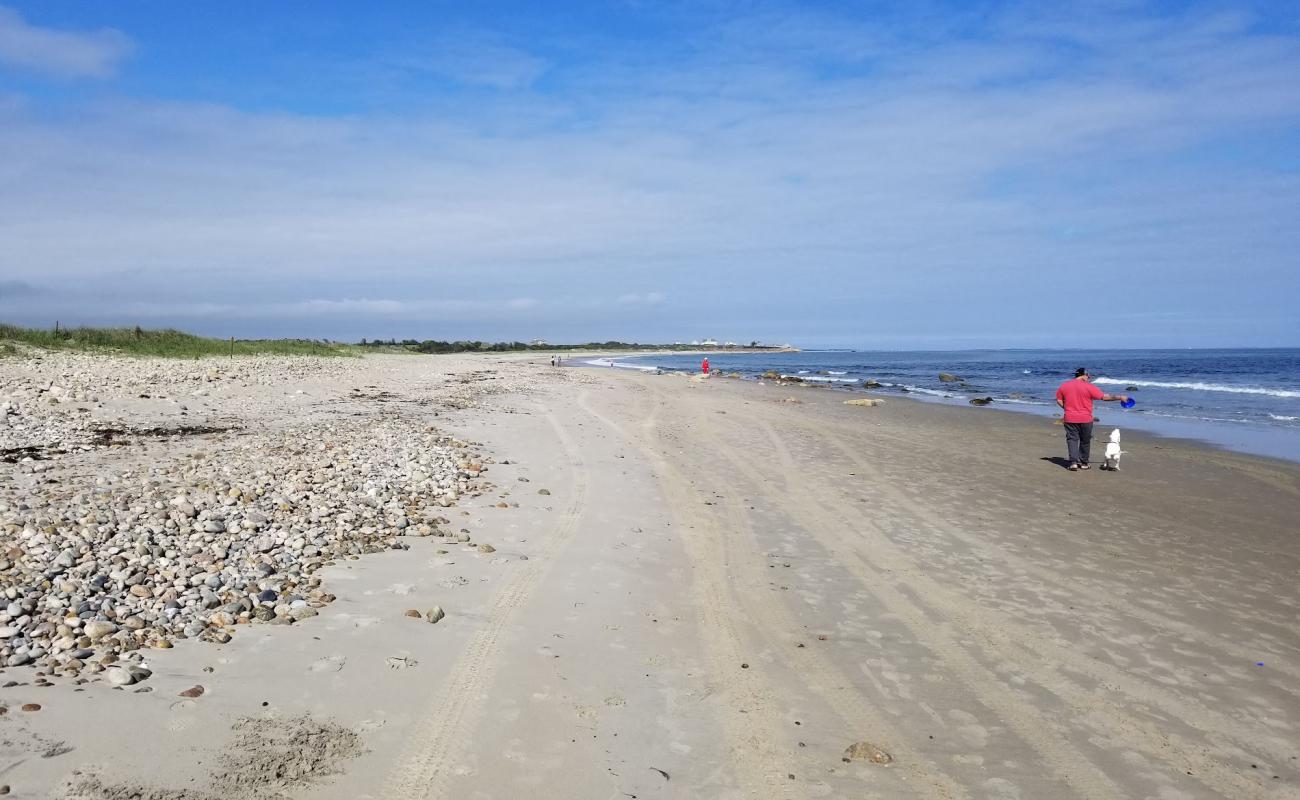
(167, 343)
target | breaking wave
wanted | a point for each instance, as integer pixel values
(1200, 387)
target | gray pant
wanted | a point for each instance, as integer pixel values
(1078, 440)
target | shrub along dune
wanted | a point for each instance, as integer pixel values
(167, 343)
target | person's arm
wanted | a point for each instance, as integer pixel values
(1060, 399)
(1100, 395)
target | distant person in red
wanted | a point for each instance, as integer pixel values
(1075, 398)
(704, 367)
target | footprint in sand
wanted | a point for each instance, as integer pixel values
(181, 723)
(1001, 789)
(328, 664)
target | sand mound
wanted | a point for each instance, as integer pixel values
(90, 787)
(268, 758)
(284, 754)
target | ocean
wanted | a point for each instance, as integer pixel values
(1245, 400)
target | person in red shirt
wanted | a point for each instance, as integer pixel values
(1075, 398)
(704, 366)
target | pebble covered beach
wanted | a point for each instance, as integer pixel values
(135, 514)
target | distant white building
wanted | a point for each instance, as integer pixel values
(708, 343)
(538, 343)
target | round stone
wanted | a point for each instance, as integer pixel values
(119, 676)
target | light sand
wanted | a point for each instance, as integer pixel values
(724, 591)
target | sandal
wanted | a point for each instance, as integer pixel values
(1084, 466)
(1074, 467)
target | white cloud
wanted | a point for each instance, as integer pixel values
(647, 299)
(94, 54)
(346, 306)
(13, 289)
(931, 191)
(476, 58)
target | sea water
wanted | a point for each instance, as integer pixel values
(1246, 400)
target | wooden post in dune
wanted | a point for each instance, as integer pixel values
(232, 347)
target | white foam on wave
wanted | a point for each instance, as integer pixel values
(808, 379)
(1022, 402)
(933, 392)
(1283, 418)
(1148, 412)
(833, 372)
(609, 362)
(1199, 387)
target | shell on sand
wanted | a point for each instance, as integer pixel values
(866, 751)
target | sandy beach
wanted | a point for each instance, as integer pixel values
(654, 586)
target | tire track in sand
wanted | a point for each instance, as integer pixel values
(437, 739)
(1067, 763)
(756, 760)
(937, 523)
(825, 679)
(1003, 638)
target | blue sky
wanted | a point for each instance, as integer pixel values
(906, 175)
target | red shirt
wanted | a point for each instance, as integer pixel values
(1077, 395)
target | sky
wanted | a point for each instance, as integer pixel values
(903, 175)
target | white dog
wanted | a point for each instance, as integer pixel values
(1113, 452)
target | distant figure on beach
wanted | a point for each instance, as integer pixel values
(1075, 397)
(704, 367)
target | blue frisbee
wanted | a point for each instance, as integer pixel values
(1129, 403)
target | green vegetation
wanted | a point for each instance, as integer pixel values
(178, 344)
(167, 343)
(432, 346)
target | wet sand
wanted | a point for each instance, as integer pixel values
(724, 586)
